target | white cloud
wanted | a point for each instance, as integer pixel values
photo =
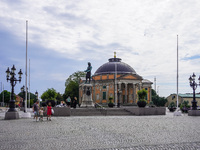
(142, 32)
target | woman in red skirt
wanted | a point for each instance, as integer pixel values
(49, 111)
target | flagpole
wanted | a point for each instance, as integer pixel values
(115, 79)
(26, 65)
(177, 72)
(177, 112)
(26, 114)
(29, 87)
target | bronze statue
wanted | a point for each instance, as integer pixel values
(88, 75)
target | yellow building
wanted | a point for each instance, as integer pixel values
(123, 89)
(182, 98)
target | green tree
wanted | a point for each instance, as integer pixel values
(6, 96)
(76, 76)
(49, 94)
(32, 96)
(153, 92)
(72, 85)
(72, 89)
(59, 97)
(32, 102)
(158, 101)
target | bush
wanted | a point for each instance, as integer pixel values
(151, 104)
(172, 106)
(185, 106)
(111, 104)
(142, 103)
(141, 95)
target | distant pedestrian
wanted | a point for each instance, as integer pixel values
(36, 109)
(75, 102)
(49, 111)
(68, 100)
(41, 112)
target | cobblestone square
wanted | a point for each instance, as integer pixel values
(105, 132)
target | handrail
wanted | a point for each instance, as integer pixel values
(101, 108)
(98, 105)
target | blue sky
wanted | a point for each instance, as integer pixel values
(64, 35)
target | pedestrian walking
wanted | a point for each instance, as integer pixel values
(41, 112)
(49, 111)
(36, 109)
(75, 102)
(68, 100)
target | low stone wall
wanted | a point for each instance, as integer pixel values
(66, 111)
(194, 113)
(138, 111)
(62, 111)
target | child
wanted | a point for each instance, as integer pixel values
(49, 111)
(41, 113)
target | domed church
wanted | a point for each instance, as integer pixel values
(118, 80)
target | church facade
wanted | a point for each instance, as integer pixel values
(118, 80)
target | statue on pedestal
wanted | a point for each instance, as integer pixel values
(88, 75)
(87, 89)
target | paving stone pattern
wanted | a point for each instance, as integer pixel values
(102, 133)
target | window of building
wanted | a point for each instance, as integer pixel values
(146, 98)
(97, 96)
(104, 95)
(104, 87)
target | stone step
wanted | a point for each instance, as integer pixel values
(97, 112)
(117, 112)
(85, 112)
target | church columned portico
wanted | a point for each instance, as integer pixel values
(128, 91)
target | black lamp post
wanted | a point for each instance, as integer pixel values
(36, 93)
(23, 92)
(13, 81)
(194, 85)
(119, 95)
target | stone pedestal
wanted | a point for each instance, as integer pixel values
(62, 111)
(87, 96)
(177, 113)
(11, 115)
(26, 115)
(194, 113)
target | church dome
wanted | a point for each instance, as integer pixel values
(109, 67)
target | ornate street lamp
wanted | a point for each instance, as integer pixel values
(36, 93)
(23, 92)
(12, 112)
(194, 85)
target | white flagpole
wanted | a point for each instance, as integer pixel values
(26, 64)
(177, 112)
(29, 87)
(3, 95)
(177, 72)
(26, 114)
(115, 79)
